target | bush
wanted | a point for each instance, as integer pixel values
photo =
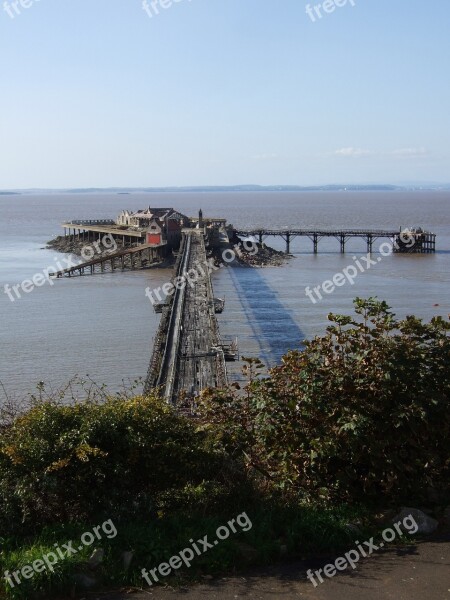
(361, 414)
(358, 418)
(61, 464)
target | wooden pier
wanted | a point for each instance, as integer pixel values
(188, 353)
(88, 231)
(424, 241)
(137, 257)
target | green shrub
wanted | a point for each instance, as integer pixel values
(359, 417)
(79, 463)
(361, 413)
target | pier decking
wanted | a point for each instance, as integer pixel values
(188, 354)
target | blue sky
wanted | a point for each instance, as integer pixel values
(218, 92)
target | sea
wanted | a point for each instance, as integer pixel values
(102, 327)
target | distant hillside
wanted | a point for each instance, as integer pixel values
(243, 188)
(240, 188)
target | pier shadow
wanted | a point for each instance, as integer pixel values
(273, 326)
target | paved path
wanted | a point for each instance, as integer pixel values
(417, 572)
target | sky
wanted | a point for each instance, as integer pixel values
(102, 93)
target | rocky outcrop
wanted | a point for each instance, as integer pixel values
(71, 245)
(257, 255)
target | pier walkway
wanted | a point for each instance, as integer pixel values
(188, 354)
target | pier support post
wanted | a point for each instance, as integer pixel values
(315, 242)
(342, 243)
(288, 244)
(369, 244)
(260, 238)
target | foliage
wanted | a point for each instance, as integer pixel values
(358, 418)
(79, 463)
(360, 413)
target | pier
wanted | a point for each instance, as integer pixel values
(424, 241)
(137, 257)
(88, 231)
(189, 354)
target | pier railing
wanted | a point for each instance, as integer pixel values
(92, 222)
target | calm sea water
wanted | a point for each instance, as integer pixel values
(104, 325)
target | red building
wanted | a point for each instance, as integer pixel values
(161, 225)
(155, 235)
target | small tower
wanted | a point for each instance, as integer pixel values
(200, 218)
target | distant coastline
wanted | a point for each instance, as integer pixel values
(235, 188)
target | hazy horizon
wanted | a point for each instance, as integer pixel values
(331, 187)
